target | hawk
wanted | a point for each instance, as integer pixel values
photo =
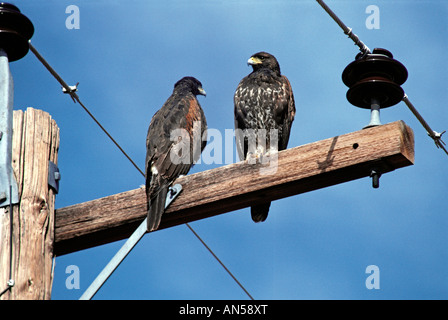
(173, 144)
(263, 100)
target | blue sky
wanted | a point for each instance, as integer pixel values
(127, 55)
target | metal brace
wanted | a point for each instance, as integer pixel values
(113, 264)
(173, 192)
(53, 176)
(6, 125)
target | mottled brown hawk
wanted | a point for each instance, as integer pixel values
(175, 140)
(263, 100)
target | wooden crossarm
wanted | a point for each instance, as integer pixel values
(301, 169)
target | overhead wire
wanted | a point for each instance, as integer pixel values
(220, 262)
(71, 90)
(347, 30)
(436, 136)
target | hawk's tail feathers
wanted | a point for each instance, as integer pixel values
(260, 212)
(156, 208)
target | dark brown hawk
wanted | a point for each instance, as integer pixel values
(263, 100)
(173, 144)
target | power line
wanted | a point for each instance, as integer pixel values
(220, 262)
(436, 136)
(72, 92)
(347, 30)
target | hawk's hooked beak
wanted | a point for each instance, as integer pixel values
(253, 61)
(202, 91)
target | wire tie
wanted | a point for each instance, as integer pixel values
(72, 91)
(10, 284)
(437, 137)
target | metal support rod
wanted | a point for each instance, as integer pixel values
(348, 31)
(6, 123)
(11, 281)
(125, 250)
(374, 114)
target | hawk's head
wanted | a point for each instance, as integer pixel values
(262, 60)
(190, 84)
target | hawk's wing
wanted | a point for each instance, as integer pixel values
(173, 144)
(286, 112)
(242, 103)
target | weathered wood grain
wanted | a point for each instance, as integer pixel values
(235, 186)
(35, 142)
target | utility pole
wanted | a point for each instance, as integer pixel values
(29, 142)
(26, 253)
